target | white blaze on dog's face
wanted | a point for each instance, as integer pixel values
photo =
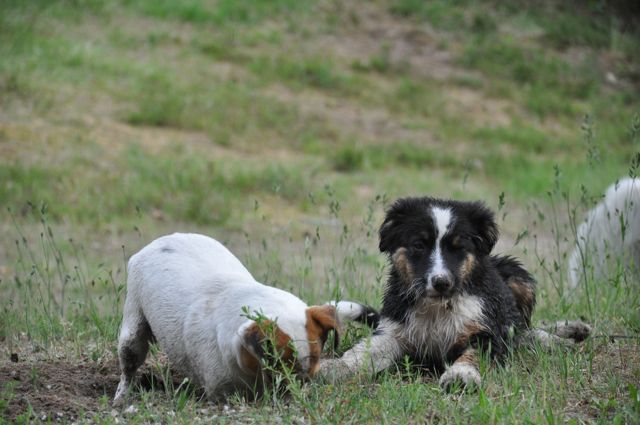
(435, 244)
(295, 343)
(439, 278)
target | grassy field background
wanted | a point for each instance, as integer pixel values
(283, 128)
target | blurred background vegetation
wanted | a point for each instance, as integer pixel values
(283, 127)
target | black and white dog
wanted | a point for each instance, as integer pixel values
(447, 298)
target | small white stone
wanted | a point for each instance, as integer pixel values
(131, 409)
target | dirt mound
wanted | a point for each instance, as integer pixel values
(56, 390)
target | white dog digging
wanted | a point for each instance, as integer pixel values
(188, 292)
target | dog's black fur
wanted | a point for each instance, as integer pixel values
(506, 289)
(448, 300)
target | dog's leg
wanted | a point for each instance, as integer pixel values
(564, 333)
(133, 345)
(575, 330)
(464, 371)
(369, 356)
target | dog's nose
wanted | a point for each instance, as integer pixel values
(441, 283)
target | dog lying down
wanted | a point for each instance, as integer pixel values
(192, 295)
(447, 297)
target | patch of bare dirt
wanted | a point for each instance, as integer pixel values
(371, 30)
(59, 390)
(479, 108)
(619, 358)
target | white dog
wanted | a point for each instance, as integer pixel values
(610, 233)
(192, 296)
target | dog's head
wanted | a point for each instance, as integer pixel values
(435, 245)
(294, 345)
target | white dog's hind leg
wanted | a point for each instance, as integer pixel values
(133, 345)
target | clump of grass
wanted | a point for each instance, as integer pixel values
(348, 158)
(353, 157)
(440, 14)
(160, 103)
(223, 12)
(521, 136)
(483, 23)
(413, 97)
(180, 186)
(550, 83)
(53, 298)
(320, 73)
(381, 63)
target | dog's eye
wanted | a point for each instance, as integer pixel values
(458, 242)
(418, 246)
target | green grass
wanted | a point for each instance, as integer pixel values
(224, 12)
(319, 73)
(284, 128)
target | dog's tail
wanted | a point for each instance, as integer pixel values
(349, 311)
(521, 283)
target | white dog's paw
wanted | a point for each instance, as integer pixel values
(464, 374)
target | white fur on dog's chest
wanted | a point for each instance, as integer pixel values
(433, 327)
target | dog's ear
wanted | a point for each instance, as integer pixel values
(396, 216)
(484, 226)
(386, 231)
(321, 320)
(251, 348)
(260, 342)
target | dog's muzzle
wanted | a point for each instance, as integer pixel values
(439, 285)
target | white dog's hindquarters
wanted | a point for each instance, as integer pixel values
(609, 237)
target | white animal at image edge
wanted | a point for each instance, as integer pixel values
(600, 239)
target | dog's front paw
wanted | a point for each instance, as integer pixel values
(576, 330)
(458, 375)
